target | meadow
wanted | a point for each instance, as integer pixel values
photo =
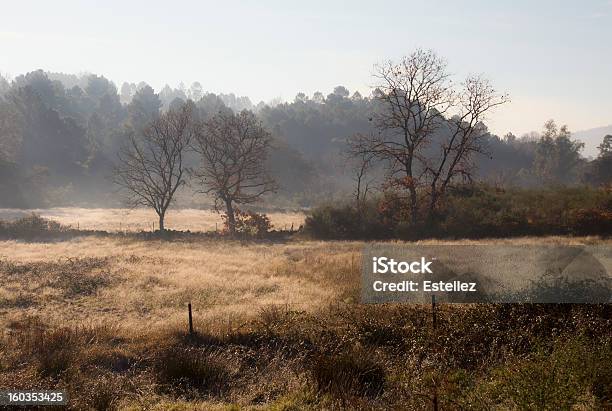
(278, 325)
(149, 283)
(143, 219)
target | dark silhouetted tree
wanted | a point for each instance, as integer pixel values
(233, 150)
(413, 96)
(427, 130)
(462, 137)
(151, 167)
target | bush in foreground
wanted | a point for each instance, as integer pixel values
(480, 357)
(349, 373)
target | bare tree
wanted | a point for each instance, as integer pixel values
(418, 106)
(463, 138)
(151, 166)
(413, 96)
(233, 150)
(360, 163)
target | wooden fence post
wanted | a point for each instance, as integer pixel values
(435, 326)
(190, 319)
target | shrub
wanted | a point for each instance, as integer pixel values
(591, 221)
(381, 331)
(31, 226)
(481, 211)
(103, 392)
(351, 372)
(553, 287)
(73, 276)
(186, 368)
(249, 223)
(561, 379)
(55, 350)
(345, 222)
(474, 211)
(330, 222)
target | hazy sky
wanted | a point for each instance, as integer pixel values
(554, 58)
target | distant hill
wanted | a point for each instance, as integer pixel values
(591, 139)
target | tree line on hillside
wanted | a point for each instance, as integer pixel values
(60, 136)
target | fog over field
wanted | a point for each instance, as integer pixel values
(282, 206)
(121, 219)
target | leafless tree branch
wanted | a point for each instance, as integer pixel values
(151, 166)
(233, 150)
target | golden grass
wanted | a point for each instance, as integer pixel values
(151, 282)
(275, 324)
(123, 219)
(143, 284)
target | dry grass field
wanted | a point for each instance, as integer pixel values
(278, 327)
(143, 284)
(140, 219)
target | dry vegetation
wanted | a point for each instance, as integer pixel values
(141, 219)
(148, 283)
(278, 327)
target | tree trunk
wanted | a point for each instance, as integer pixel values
(412, 190)
(433, 203)
(413, 205)
(161, 220)
(231, 220)
(358, 196)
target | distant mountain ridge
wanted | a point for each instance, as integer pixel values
(592, 138)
